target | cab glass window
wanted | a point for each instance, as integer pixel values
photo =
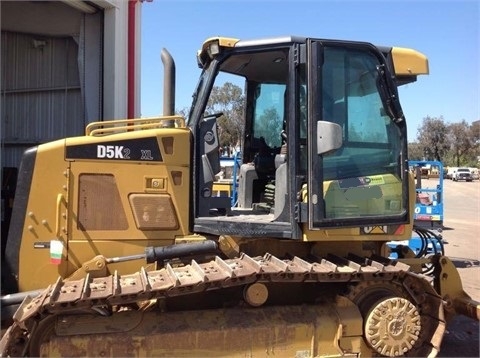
(268, 117)
(362, 177)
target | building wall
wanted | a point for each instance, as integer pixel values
(63, 65)
(41, 95)
(62, 68)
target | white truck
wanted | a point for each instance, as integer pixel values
(462, 174)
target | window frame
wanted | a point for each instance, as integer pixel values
(317, 208)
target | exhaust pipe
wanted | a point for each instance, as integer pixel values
(168, 83)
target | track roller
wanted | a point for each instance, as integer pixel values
(256, 294)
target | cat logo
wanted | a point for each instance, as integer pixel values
(375, 229)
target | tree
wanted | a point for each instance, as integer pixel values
(432, 135)
(475, 137)
(463, 142)
(475, 132)
(229, 100)
(415, 151)
(269, 125)
(183, 112)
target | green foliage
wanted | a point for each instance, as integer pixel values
(455, 144)
(461, 141)
(415, 151)
(229, 100)
(268, 126)
(432, 134)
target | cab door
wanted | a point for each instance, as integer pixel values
(357, 169)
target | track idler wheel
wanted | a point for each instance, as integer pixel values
(41, 335)
(392, 326)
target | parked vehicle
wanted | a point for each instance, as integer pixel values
(450, 172)
(462, 174)
(475, 175)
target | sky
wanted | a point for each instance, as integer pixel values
(447, 32)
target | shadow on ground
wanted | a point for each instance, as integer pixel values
(464, 263)
(461, 338)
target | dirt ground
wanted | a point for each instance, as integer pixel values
(461, 236)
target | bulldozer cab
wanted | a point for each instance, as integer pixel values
(324, 141)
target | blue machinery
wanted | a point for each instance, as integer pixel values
(429, 203)
(428, 210)
(230, 186)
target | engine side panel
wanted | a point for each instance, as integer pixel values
(108, 195)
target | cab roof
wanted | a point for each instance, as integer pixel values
(406, 63)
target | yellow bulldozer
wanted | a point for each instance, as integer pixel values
(118, 246)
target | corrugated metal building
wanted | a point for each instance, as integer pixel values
(64, 64)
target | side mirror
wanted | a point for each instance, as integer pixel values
(329, 137)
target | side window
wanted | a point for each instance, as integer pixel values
(351, 99)
(268, 116)
(366, 123)
(362, 177)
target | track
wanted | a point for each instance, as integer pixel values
(365, 281)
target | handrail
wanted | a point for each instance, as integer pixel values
(58, 224)
(104, 128)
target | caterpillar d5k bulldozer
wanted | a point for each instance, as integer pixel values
(118, 244)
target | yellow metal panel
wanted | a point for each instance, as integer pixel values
(222, 187)
(212, 47)
(222, 41)
(334, 195)
(409, 62)
(55, 200)
(45, 218)
(176, 153)
(283, 331)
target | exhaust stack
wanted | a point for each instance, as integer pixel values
(168, 83)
